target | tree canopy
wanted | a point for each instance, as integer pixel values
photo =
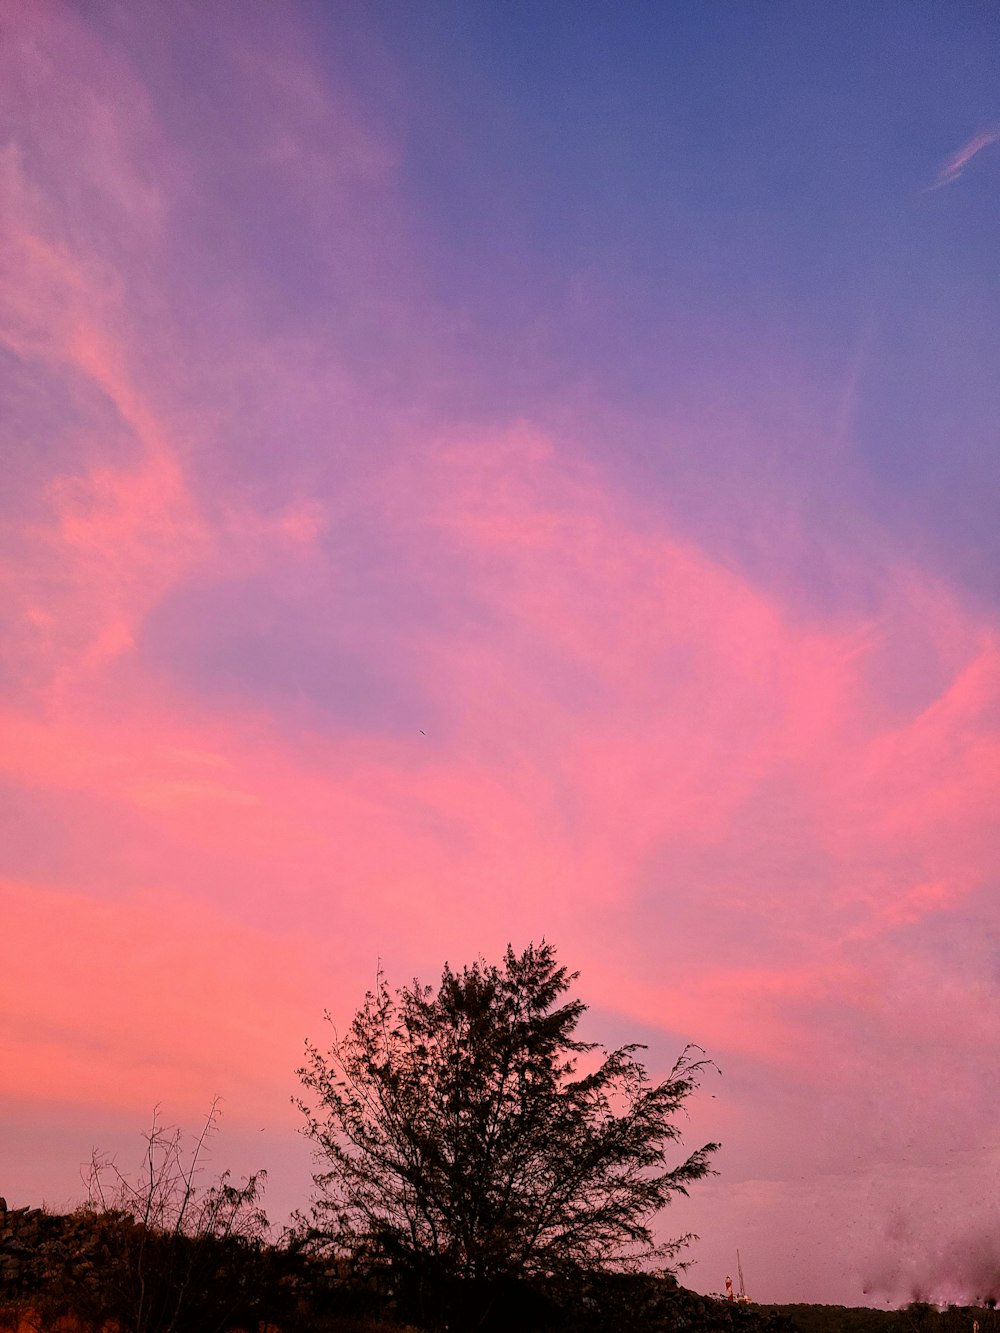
(470, 1135)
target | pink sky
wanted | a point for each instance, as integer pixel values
(326, 640)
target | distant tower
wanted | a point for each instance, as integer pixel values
(729, 1288)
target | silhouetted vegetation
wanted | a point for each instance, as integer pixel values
(108, 1269)
(154, 1253)
(66, 1274)
(469, 1157)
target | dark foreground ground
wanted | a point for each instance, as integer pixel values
(690, 1314)
(918, 1317)
(103, 1272)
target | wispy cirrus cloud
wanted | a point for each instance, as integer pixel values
(953, 167)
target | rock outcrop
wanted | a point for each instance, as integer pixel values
(42, 1251)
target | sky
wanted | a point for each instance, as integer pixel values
(481, 473)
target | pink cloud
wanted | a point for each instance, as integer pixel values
(959, 160)
(124, 1004)
(691, 693)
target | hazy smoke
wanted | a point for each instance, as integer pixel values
(957, 1265)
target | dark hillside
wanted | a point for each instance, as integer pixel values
(80, 1274)
(917, 1317)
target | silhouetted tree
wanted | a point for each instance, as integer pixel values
(462, 1145)
(178, 1258)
